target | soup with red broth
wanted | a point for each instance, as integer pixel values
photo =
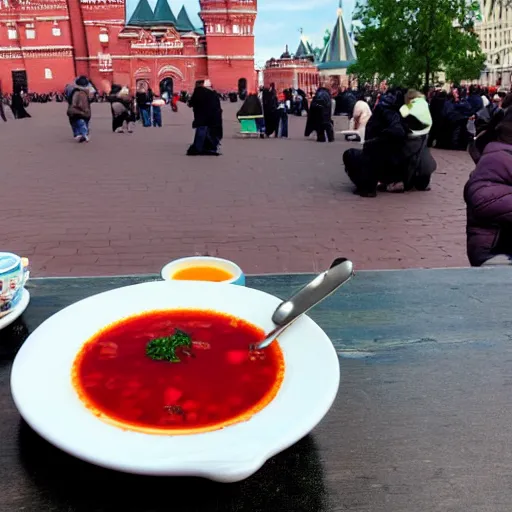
(209, 376)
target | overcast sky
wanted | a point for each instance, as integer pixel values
(278, 22)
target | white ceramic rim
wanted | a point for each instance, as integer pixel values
(15, 313)
(180, 264)
(13, 266)
(53, 409)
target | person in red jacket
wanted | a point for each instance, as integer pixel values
(174, 102)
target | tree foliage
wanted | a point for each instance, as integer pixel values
(407, 42)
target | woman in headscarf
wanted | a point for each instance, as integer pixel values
(488, 196)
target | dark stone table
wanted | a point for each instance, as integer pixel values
(422, 421)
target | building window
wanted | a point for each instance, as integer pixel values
(30, 33)
(56, 31)
(236, 29)
(48, 74)
(12, 33)
(103, 36)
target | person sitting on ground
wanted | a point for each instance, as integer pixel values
(360, 117)
(488, 197)
(320, 116)
(252, 107)
(416, 162)
(379, 160)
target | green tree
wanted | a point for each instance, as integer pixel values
(408, 42)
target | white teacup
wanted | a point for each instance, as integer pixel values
(14, 274)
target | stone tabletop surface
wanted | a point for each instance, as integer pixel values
(422, 421)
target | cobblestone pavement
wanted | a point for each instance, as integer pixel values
(129, 203)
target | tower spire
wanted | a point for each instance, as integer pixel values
(340, 8)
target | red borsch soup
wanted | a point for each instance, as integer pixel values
(178, 371)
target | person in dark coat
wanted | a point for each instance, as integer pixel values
(379, 160)
(270, 104)
(456, 113)
(436, 111)
(18, 106)
(488, 197)
(475, 99)
(416, 160)
(207, 109)
(305, 105)
(486, 123)
(144, 106)
(320, 116)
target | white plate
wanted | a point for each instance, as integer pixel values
(17, 311)
(43, 392)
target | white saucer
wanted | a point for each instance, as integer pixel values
(17, 311)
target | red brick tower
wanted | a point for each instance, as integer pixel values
(229, 31)
(98, 25)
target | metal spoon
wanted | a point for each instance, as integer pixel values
(307, 297)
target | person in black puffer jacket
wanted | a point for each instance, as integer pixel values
(320, 116)
(380, 158)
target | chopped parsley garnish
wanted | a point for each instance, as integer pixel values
(164, 349)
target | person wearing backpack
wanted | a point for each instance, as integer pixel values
(79, 109)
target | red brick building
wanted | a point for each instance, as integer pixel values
(298, 71)
(307, 69)
(44, 44)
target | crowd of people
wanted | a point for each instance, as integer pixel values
(396, 127)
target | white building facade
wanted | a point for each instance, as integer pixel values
(495, 33)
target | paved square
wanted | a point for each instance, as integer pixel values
(129, 203)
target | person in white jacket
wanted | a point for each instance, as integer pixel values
(360, 118)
